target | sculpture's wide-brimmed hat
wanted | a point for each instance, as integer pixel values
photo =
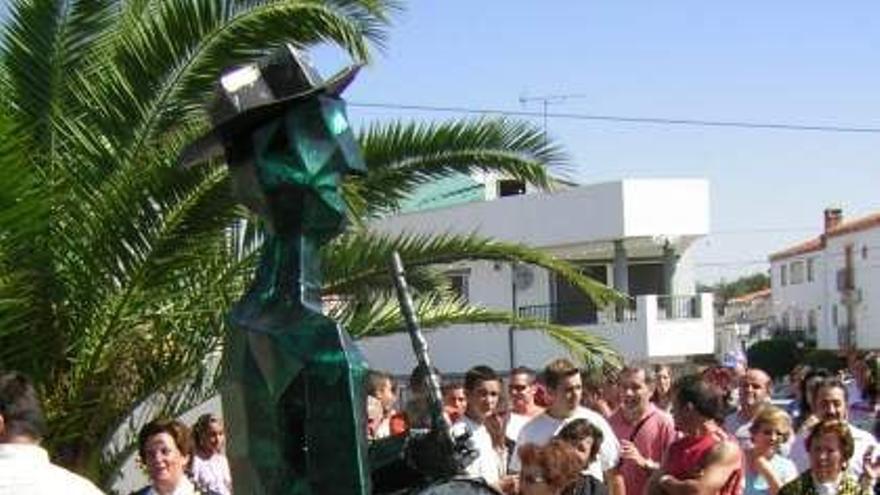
(248, 95)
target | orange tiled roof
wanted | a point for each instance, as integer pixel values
(856, 225)
(802, 248)
(751, 296)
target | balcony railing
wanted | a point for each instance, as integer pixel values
(678, 307)
(581, 313)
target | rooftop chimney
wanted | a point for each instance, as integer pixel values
(833, 218)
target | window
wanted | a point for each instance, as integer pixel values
(458, 282)
(834, 318)
(785, 322)
(783, 275)
(811, 268)
(865, 252)
(797, 272)
(509, 187)
(811, 323)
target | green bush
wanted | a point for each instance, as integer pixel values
(775, 356)
(820, 358)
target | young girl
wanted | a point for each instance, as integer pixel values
(210, 469)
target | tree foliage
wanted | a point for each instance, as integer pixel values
(725, 291)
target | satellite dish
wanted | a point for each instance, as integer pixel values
(523, 277)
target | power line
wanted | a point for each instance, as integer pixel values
(832, 256)
(759, 230)
(733, 263)
(668, 121)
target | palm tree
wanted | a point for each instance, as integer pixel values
(117, 268)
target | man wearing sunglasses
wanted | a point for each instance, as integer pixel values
(521, 391)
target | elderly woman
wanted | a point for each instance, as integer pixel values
(585, 438)
(830, 444)
(210, 468)
(766, 469)
(166, 447)
(548, 470)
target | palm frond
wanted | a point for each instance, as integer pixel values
(155, 75)
(384, 317)
(402, 156)
(359, 260)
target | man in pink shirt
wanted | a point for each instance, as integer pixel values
(644, 432)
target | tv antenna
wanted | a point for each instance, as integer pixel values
(546, 101)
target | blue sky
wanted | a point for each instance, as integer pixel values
(806, 62)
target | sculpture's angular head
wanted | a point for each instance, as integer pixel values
(287, 141)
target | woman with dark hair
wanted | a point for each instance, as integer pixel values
(806, 419)
(548, 470)
(210, 468)
(830, 444)
(794, 380)
(166, 447)
(586, 439)
(662, 397)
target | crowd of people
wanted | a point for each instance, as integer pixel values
(640, 431)
(177, 459)
(634, 431)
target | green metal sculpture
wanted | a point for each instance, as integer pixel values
(293, 390)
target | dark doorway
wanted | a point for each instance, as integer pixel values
(646, 278)
(571, 306)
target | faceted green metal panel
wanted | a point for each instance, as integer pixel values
(293, 389)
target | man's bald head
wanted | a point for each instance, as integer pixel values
(754, 389)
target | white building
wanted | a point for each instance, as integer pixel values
(744, 320)
(633, 235)
(829, 286)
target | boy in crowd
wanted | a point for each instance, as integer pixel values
(483, 389)
(454, 400)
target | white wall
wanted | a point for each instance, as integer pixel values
(669, 207)
(867, 280)
(452, 350)
(680, 337)
(684, 280)
(607, 211)
(799, 299)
